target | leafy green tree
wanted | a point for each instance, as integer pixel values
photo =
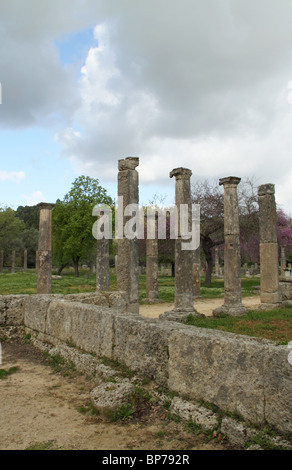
(10, 232)
(29, 238)
(73, 221)
(29, 215)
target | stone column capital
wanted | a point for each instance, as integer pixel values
(129, 163)
(265, 189)
(180, 173)
(46, 205)
(229, 181)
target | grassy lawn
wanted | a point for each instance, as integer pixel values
(216, 288)
(275, 324)
(26, 282)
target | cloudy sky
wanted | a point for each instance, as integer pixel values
(203, 84)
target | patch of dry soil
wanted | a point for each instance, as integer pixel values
(39, 406)
(204, 306)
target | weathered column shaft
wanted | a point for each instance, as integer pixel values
(283, 261)
(44, 281)
(152, 260)
(184, 259)
(102, 265)
(1, 260)
(25, 260)
(197, 273)
(151, 269)
(232, 263)
(269, 257)
(232, 277)
(184, 287)
(128, 259)
(13, 261)
(216, 261)
(36, 261)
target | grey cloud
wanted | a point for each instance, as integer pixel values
(188, 71)
(36, 87)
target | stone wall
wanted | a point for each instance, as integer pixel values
(237, 373)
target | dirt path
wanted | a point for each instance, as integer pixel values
(41, 408)
(205, 306)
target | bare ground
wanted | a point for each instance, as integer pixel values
(40, 409)
(204, 306)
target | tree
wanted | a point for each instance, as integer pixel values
(210, 197)
(29, 215)
(284, 229)
(29, 236)
(10, 231)
(211, 200)
(73, 220)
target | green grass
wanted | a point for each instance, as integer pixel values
(26, 283)
(273, 324)
(4, 373)
(58, 363)
(124, 413)
(50, 445)
(216, 288)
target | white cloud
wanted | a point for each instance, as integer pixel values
(34, 198)
(14, 176)
(198, 84)
(201, 85)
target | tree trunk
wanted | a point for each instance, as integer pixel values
(76, 265)
(209, 268)
(172, 269)
(207, 246)
(60, 269)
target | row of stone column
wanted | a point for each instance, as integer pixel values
(269, 271)
(127, 261)
(187, 263)
(13, 256)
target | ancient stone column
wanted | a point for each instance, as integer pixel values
(1, 261)
(232, 263)
(128, 259)
(269, 257)
(36, 261)
(184, 259)
(152, 261)
(102, 265)
(216, 261)
(44, 280)
(25, 260)
(13, 262)
(116, 264)
(283, 261)
(196, 273)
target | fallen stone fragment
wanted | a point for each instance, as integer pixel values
(200, 415)
(110, 396)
